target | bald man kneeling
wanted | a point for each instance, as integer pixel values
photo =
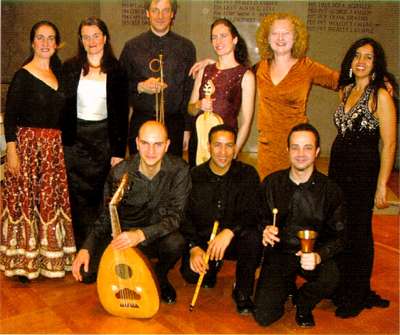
(150, 211)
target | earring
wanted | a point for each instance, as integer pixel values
(351, 72)
(373, 76)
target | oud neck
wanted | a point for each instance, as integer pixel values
(117, 197)
(115, 225)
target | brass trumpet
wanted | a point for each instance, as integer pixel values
(156, 65)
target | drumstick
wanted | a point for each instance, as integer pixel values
(201, 277)
(274, 212)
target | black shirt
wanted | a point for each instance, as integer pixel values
(316, 205)
(233, 199)
(179, 54)
(31, 103)
(154, 205)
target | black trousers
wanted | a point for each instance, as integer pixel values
(356, 261)
(167, 250)
(276, 279)
(175, 125)
(88, 162)
(246, 248)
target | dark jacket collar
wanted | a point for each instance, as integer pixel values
(311, 181)
(156, 37)
(166, 165)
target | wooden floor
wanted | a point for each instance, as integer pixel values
(65, 306)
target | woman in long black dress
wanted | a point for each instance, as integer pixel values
(96, 121)
(36, 232)
(365, 116)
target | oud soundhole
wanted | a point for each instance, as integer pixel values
(123, 271)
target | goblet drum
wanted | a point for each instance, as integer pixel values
(307, 240)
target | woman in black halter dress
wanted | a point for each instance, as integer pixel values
(365, 116)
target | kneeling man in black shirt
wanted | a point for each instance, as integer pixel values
(226, 190)
(305, 199)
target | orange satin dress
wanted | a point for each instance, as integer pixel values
(283, 106)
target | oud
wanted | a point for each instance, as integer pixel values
(126, 284)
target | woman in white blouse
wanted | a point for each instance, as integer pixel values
(94, 123)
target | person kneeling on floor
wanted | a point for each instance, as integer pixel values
(151, 209)
(226, 190)
(306, 200)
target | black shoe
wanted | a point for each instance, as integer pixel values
(348, 311)
(210, 280)
(23, 279)
(374, 300)
(304, 318)
(244, 305)
(168, 293)
(88, 277)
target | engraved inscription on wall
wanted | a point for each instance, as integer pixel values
(324, 16)
(243, 11)
(133, 13)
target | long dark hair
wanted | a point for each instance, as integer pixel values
(55, 62)
(379, 73)
(241, 53)
(108, 60)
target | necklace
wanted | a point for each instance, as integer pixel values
(94, 66)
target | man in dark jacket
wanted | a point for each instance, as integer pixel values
(151, 209)
(178, 56)
(225, 190)
(304, 199)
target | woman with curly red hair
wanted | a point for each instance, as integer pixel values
(284, 79)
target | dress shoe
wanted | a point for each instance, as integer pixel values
(88, 277)
(244, 305)
(210, 280)
(346, 311)
(304, 318)
(168, 293)
(23, 279)
(374, 300)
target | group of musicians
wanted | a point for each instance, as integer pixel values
(168, 210)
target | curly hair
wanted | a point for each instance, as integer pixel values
(379, 70)
(300, 37)
(241, 53)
